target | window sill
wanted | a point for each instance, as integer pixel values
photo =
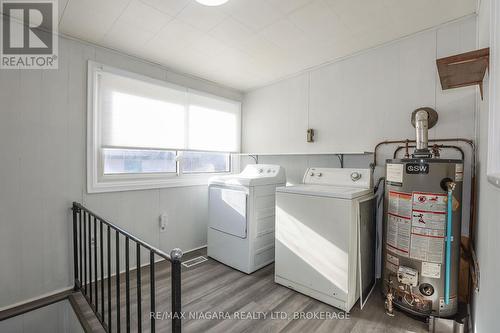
(146, 184)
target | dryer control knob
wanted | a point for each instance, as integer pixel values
(319, 174)
(311, 174)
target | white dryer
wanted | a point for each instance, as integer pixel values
(242, 215)
(325, 236)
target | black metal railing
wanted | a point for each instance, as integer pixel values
(90, 258)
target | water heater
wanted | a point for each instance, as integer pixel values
(422, 226)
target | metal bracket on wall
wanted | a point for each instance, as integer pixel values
(341, 160)
(255, 158)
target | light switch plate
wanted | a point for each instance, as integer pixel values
(163, 222)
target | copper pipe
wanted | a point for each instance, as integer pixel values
(389, 306)
(439, 146)
(469, 142)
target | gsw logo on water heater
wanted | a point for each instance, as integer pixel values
(416, 168)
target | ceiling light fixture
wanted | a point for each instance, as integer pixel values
(212, 2)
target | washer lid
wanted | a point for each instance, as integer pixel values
(325, 191)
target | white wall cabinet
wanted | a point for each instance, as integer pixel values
(276, 117)
(356, 102)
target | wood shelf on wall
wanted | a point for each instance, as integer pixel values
(464, 69)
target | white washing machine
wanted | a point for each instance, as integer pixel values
(242, 216)
(325, 236)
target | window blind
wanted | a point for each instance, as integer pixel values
(213, 123)
(140, 114)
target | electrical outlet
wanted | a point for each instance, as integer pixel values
(163, 222)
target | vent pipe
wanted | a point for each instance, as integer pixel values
(423, 119)
(422, 129)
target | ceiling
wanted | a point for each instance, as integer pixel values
(245, 44)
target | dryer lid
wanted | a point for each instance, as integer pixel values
(253, 175)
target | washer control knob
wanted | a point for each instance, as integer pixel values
(355, 176)
(311, 174)
(319, 174)
(261, 170)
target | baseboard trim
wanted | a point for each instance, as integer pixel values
(35, 304)
(195, 249)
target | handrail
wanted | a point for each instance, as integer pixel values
(86, 253)
(125, 233)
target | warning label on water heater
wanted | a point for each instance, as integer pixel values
(428, 226)
(430, 220)
(395, 172)
(427, 244)
(459, 172)
(398, 235)
(416, 226)
(400, 204)
(431, 270)
(399, 223)
(429, 202)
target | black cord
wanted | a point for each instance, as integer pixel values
(375, 189)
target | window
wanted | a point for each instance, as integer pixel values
(123, 161)
(201, 162)
(147, 133)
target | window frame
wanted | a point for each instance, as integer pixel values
(98, 182)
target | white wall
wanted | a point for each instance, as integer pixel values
(42, 145)
(354, 103)
(487, 301)
(42, 141)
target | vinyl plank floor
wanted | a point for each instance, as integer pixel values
(217, 297)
